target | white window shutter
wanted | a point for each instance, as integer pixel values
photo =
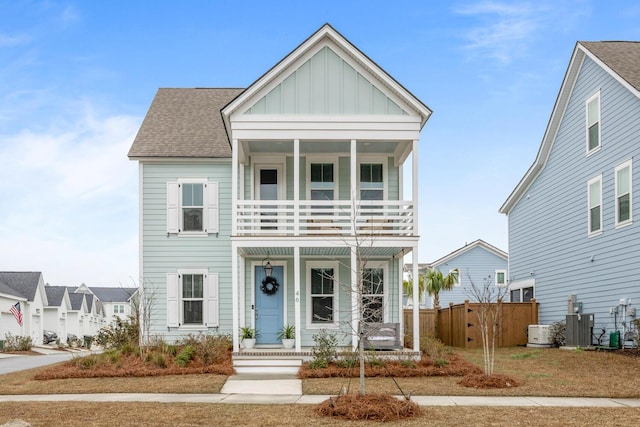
(212, 207)
(173, 302)
(173, 208)
(212, 300)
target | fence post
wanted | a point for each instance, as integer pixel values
(450, 332)
(465, 325)
(534, 311)
(500, 329)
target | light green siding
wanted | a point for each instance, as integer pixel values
(393, 176)
(163, 253)
(326, 84)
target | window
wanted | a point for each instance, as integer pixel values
(371, 181)
(623, 194)
(192, 207)
(456, 276)
(593, 123)
(192, 299)
(322, 290)
(501, 277)
(321, 181)
(595, 205)
(522, 290)
(118, 309)
(373, 295)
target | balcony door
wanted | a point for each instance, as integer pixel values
(268, 186)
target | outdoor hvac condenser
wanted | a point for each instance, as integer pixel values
(579, 330)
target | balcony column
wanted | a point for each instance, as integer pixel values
(296, 189)
(354, 186)
(414, 173)
(296, 281)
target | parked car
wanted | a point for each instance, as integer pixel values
(49, 336)
(72, 340)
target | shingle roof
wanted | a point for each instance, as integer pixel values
(185, 123)
(25, 283)
(76, 300)
(55, 295)
(107, 294)
(623, 57)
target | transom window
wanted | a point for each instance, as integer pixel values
(192, 299)
(373, 295)
(322, 295)
(371, 181)
(593, 123)
(192, 206)
(623, 193)
(595, 205)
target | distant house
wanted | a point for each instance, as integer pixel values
(116, 302)
(573, 239)
(28, 289)
(478, 262)
(56, 311)
(77, 314)
(259, 205)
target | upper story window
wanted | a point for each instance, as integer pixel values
(321, 181)
(593, 123)
(118, 309)
(501, 277)
(595, 205)
(371, 181)
(192, 206)
(623, 193)
(456, 276)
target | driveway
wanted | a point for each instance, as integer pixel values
(19, 362)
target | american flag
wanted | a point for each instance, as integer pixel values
(15, 309)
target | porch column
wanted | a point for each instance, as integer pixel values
(355, 303)
(400, 265)
(296, 190)
(241, 292)
(234, 188)
(296, 288)
(234, 297)
(416, 301)
(354, 187)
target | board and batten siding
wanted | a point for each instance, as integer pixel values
(164, 253)
(548, 236)
(477, 266)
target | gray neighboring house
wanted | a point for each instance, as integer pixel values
(573, 240)
(116, 302)
(28, 289)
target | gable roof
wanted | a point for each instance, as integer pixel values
(184, 123)
(328, 32)
(55, 294)
(25, 284)
(106, 294)
(466, 248)
(76, 300)
(618, 58)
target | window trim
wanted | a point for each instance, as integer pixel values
(210, 208)
(385, 285)
(210, 298)
(626, 164)
(592, 181)
(595, 96)
(497, 272)
(520, 285)
(336, 287)
(322, 160)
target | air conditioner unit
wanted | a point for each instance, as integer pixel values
(540, 336)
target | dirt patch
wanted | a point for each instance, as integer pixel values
(630, 352)
(488, 381)
(375, 407)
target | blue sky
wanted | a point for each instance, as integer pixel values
(77, 77)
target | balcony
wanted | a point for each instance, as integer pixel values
(326, 218)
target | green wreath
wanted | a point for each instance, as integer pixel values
(269, 285)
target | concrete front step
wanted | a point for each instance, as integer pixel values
(266, 366)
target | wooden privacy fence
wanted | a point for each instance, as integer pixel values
(457, 325)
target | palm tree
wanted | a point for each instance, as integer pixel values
(437, 282)
(407, 286)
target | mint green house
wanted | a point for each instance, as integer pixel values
(282, 203)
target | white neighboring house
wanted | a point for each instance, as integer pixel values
(56, 311)
(77, 313)
(116, 302)
(28, 289)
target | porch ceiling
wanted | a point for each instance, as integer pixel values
(323, 147)
(325, 252)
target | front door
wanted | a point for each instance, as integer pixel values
(268, 187)
(269, 305)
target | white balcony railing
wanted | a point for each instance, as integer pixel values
(327, 218)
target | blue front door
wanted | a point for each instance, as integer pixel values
(269, 306)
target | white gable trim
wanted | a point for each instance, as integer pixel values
(478, 243)
(327, 36)
(557, 114)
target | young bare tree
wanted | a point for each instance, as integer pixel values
(489, 314)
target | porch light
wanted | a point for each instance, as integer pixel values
(268, 268)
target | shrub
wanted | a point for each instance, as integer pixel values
(124, 332)
(375, 362)
(17, 343)
(408, 363)
(209, 348)
(318, 364)
(441, 363)
(324, 349)
(349, 360)
(185, 356)
(432, 347)
(86, 362)
(161, 360)
(558, 333)
(636, 335)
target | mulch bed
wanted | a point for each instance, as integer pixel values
(376, 407)
(457, 367)
(630, 352)
(488, 381)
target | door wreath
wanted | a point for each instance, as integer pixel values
(269, 285)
